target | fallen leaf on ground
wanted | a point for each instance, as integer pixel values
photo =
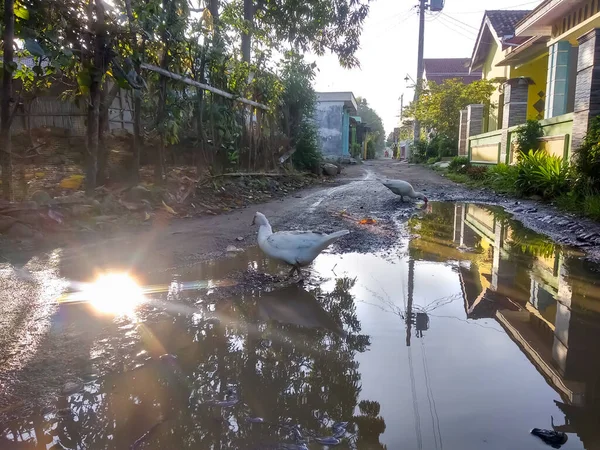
(367, 221)
(169, 209)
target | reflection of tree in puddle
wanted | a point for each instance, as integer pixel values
(280, 371)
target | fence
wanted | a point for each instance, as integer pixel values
(52, 112)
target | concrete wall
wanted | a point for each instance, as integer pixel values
(537, 71)
(329, 120)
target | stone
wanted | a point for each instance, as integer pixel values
(20, 231)
(239, 238)
(81, 210)
(6, 222)
(330, 169)
(41, 197)
(138, 193)
(72, 387)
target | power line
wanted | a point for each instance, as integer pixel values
(450, 26)
(506, 8)
(460, 22)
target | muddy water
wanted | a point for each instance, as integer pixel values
(464, 336)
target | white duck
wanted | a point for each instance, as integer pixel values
(296, 248)
(403, 189)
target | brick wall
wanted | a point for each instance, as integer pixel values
(515, 102)
(587, 88)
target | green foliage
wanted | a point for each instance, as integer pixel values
(307, 155)
(502, 178)
(458, 163)
(370, 117)
(477, 173)
(355, 150)
(439, 105)
(528, 136)
(371, 146)
(587, 161)
(541, 174)
(433, 160)
(591, 206)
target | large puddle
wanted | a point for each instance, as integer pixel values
(466, 336)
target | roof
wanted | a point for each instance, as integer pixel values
(346, 97)
(539, 21)
(527, 51)
(504, 22)
(441, 69)
(496, 26)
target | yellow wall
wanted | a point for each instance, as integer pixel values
(490, 71)
(537, 70)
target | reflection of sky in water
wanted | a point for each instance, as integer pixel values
(486, 392)
(471, 385)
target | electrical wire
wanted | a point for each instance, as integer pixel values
(450, 26)
(460, 22)
(506, 8)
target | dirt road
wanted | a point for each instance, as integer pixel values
(27, 308)
(357, 195)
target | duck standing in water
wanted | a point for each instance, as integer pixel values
(403, 189)
(296, 248)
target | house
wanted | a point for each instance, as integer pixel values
(440, 69)
(335, 117)
(548, 63)
(495, 38)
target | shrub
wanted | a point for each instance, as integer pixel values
(591, 206)
(541, 174)
(502, 178)
(443, 146)
(458, 163)
(477, 173)
(433, 160)
(355, 150)
(587, 161)
(528, 136)
(307, 155)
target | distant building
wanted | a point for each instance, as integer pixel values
(441, 69)
(335, 117)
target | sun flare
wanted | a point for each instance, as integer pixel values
(114, 293)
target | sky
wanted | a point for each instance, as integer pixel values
(389, 49)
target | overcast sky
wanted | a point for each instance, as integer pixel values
(389, 49)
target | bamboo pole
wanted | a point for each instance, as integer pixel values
(206, 87)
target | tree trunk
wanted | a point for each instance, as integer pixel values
(5, 143)
(247, 35)
(137, 100)
(94, 102)
(106, 100)
(159, 170)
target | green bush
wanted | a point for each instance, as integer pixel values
(541, 174)
(433, 160)
(477, 173)
(444, 145)
(355, 150)
(502, 178)
(307, 155)
(591, 206)
(458, 163)
(528, 136)
(371, 149)
(587, 161)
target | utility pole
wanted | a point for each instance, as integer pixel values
(401, 108)
(411, 289)
(417, 125)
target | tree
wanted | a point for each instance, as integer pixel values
(317, 25)
(373, 121)
(439, 105)
(5, 113)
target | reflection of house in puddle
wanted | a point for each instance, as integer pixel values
(521, 280)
